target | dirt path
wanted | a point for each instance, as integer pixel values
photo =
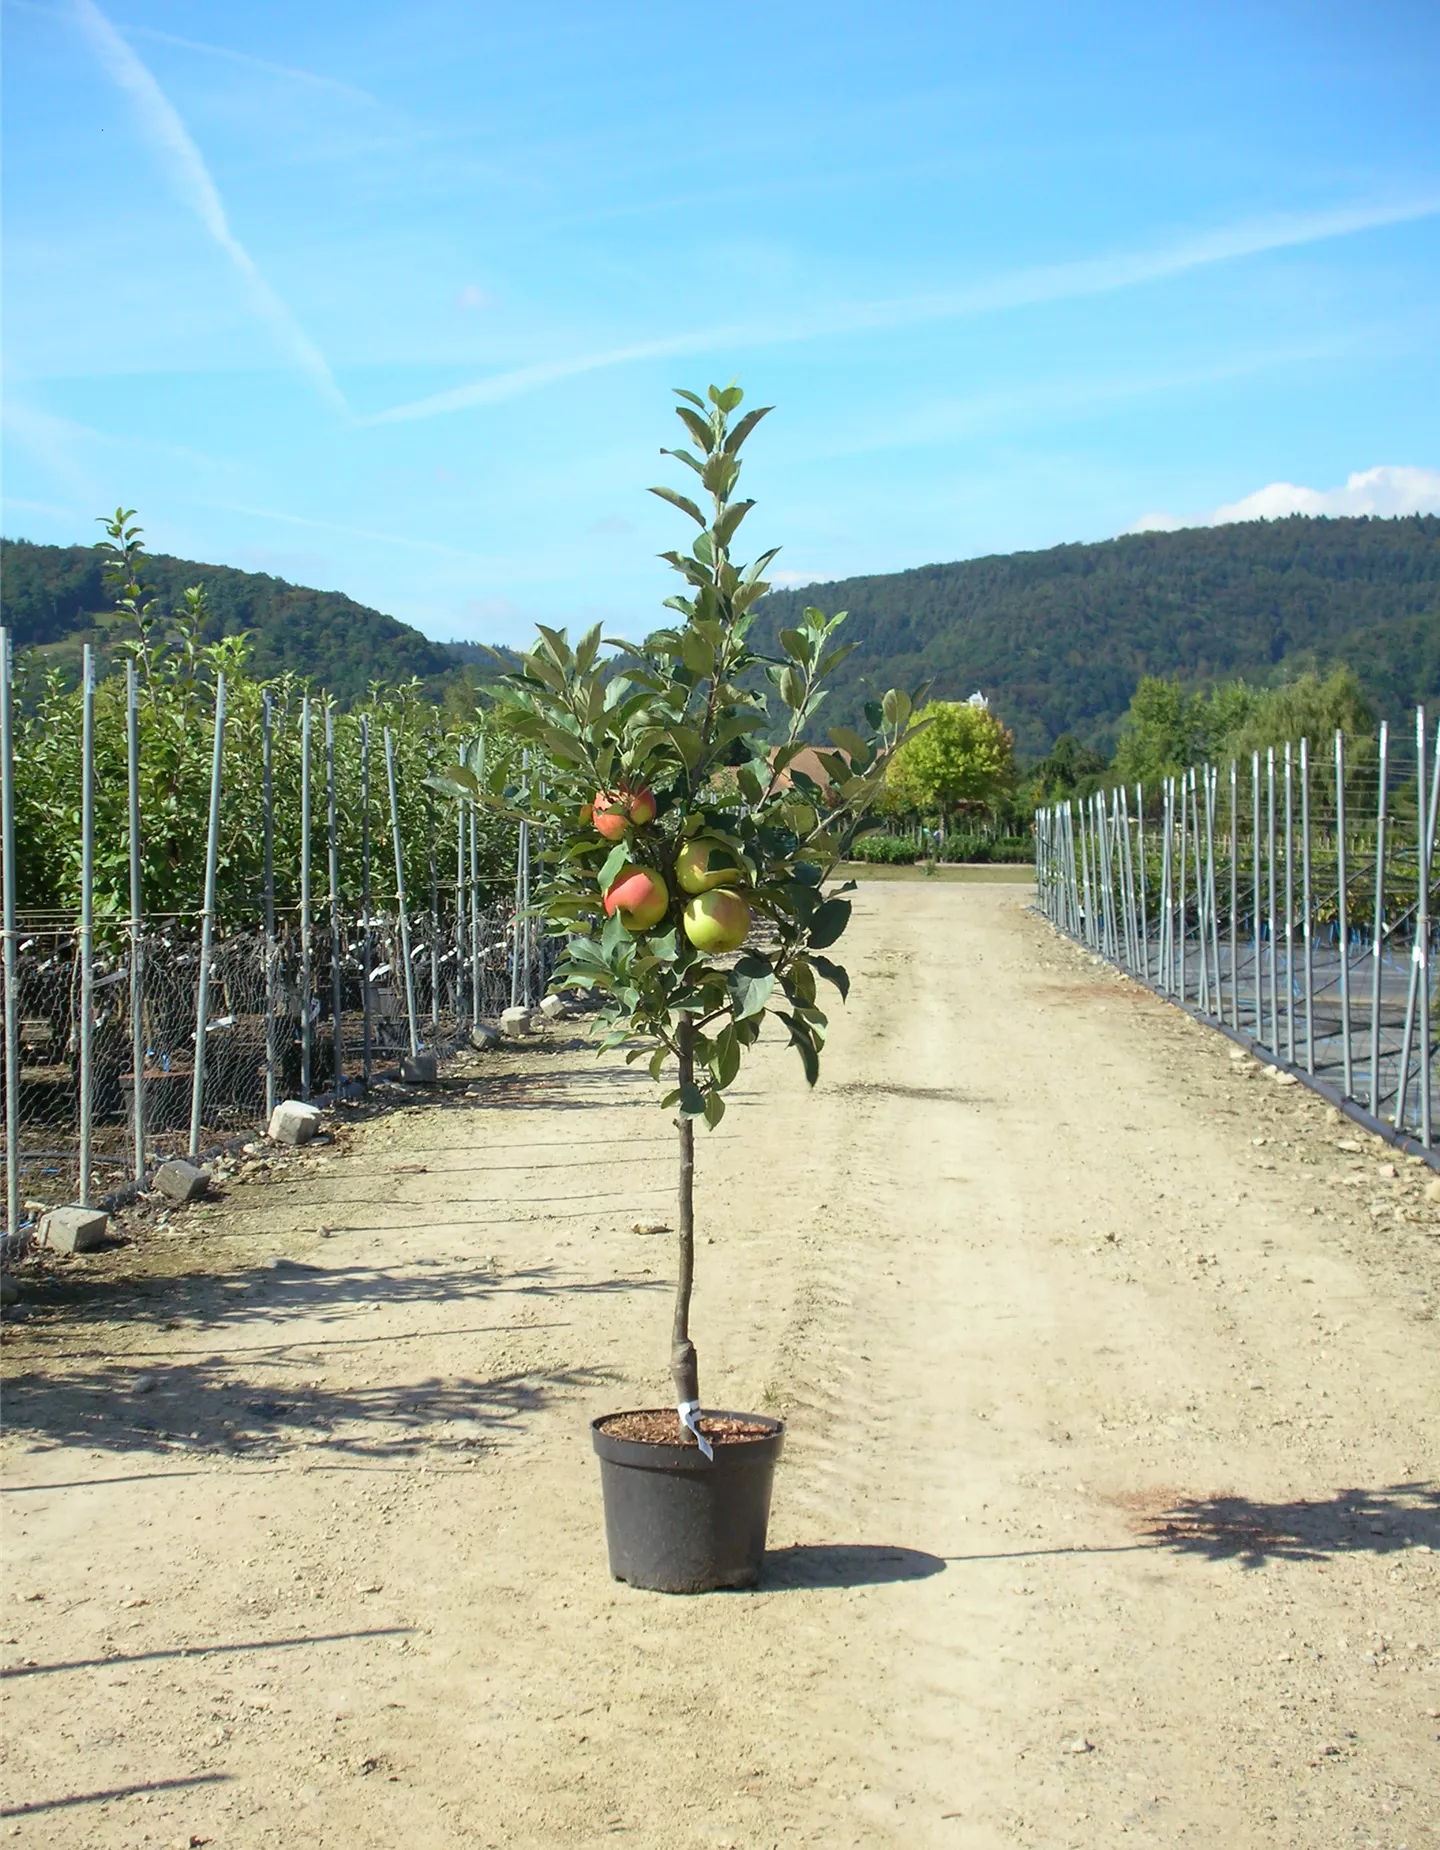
(1110, 1506)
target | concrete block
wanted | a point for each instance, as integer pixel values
(515, 1021)
(74, 1230)
(9, 1290)
(484, 1036)
(293, 1122)
(182, 1181)
(553, 1008)
(419, 1069)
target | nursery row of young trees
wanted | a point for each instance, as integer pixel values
(177, 675)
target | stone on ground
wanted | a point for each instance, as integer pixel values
(553, 1007)
(293, 1122)
(74, 1229)
(182, 1181)
(419, 1069)
(515, 1021)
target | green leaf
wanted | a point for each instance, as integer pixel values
(683, 502)
(804, 1045)
(559, 647)
(750, 984)
(689, 397)
(896, 707)
(792, 687)
(692, 1103)
(725, 1060)
(802, 982)
(727, 399)
(743, 429)
(699, 428)
(614, 861)
(797, 644)
(750, 786)
(853, 746)
(688, 743)
(714, 1108)
(874, 715)
(698, 656)
(834, 973)
(828, 923)
(729, 521)
(587, 649)
(657, 1060)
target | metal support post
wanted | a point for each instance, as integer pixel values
(1273, 972)
(337, 994)
(400, 894)
(1140, 851)
(87, 920)
(1307, 909)
(1258, 1031)
(474, 920)
(137, 919)
(12, 975)
(272, 949)
(1234, 896)
(1342, 913)
(306, 1024)
(1377, 946)
(1289, 904)
(207, 924)
(367, 941)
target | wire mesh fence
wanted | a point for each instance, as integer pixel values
(128, 1040)
(1286, 897)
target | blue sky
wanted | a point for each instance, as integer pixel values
(390, 299)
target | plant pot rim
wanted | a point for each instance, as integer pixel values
(656, 1455)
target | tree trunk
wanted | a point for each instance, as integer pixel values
(684, 1367)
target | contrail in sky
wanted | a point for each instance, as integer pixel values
(1090, 276)
(315, 78)
(185, 168)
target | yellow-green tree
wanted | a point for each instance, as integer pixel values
(962, 760)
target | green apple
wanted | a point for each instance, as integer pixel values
(716, 922)
(694, 872)
(640, 896)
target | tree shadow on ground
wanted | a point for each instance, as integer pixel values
(221, 1408)
(556, 1088)
(278, 1291)
(1222, 1528)
(844, 1564)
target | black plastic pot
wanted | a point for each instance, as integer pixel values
(677, 1523)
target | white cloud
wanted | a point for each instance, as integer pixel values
(1385, 492)
(186, 170)
(1090, 276)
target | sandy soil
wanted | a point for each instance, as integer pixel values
(1109, 1507)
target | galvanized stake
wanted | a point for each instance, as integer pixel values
(137, 935)
(305, 1021)
(1306, 906)
(460, 963)
(12, 975)
(1183, 922)
(1343, 912)
(1140, 850)
(272, 949)
(1258, 1032)
(207, 924)
(434, 917)
(367, 940)
(1234, 897)
(1377, 949)
(400, 894)
(1212, 794)
(1422, 946)
(87, 919)
(474, 922)
(1274, 1041)
(1289, 905)
(337, 997)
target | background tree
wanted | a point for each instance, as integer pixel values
(962, 760)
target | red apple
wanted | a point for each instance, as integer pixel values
(716, 922)
(607, 813)
(642, 805)
(640, 897)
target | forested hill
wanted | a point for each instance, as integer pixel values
(52, 593)
(1059, 639)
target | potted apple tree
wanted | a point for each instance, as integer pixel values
(685, 860)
